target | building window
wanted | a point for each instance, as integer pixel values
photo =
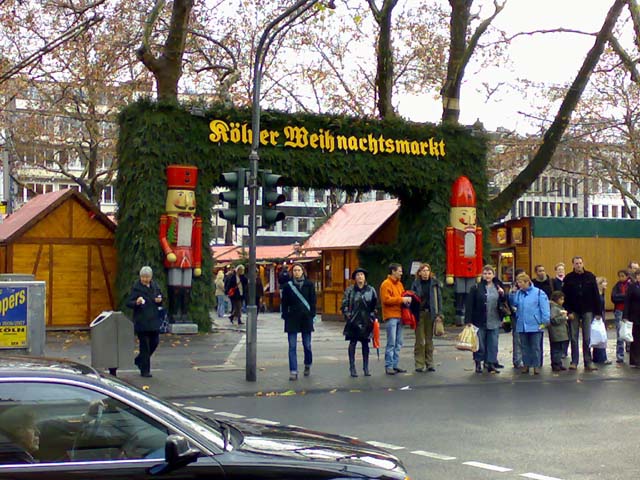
(624, 212)
(521, 208)
(567, 209)
(544, 209)
(319, 196)
(552, 209)
(303, 195)
(303, 225)
(634, 212)
(605, 211)
(545, 184)
(575, 188)
(594, 211)
(380, 194)
(289, 225)
(108, 195)
(559, 209)
(567, 187)
(536, 209)
(288, 193)
(575, 209)
(528, 209)
(614, 211)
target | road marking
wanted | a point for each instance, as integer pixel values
(437, 456)
(385, 445)
(230, 415)
(262, 421)
(178, 404)
(234, 353)
(486, 466)
(198, 409)
(536, 476)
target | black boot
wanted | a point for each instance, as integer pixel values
(174, 303)
(478, 366)
(185, 298)
(352, 360)
(365, 364)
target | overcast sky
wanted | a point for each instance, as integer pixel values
(549, 58)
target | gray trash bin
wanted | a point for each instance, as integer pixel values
(112, 342)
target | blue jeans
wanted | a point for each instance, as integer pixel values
(221, 304)
(531, 343)
(617, 314)
(487, 346)
(394, 342)
(293, 354)
(517, 349)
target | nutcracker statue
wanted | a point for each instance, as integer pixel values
(464, 243)
(181, 239)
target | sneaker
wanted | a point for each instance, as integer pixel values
(421, 369)
(590, 368)
(399, 370)
(293, 376)
(498, 365)
(431, 369)
(307, 370)
(573, 367)
(389, 371)
(146, 375)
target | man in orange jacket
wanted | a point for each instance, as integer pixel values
(392, 300)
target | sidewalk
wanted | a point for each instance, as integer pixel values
(213, 364)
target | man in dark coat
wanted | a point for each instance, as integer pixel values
(541, 280)
(582, 302)
(236, 287)
(298, 312)
(144, 299)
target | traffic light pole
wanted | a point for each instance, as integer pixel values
(272, 30)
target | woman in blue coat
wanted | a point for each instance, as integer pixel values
(532, 314)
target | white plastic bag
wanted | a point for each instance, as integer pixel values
(598, 334)
(468, 339)
(626, 331)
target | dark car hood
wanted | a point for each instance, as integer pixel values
(300, 443)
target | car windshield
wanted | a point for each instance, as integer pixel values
(210, 430)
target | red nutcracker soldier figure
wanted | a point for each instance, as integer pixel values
(464, 243)
(181, 239)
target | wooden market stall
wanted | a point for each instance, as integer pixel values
(606, 245)
(63, 239)
(352, 226)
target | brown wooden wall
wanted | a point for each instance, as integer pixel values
(334, 284)
(602, 256)
(75, 255)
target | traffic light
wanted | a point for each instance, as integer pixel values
(235, 181)
(271, 198)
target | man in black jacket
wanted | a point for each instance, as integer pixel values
(582, 302)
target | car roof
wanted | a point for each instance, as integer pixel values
(22, 365)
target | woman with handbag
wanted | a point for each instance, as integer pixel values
(532, 315)
(429, 290)
(298, 313)
(358, 307)
(483, 309)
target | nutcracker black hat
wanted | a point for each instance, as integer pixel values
(358, 270)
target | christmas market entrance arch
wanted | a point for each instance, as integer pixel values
(415, 162)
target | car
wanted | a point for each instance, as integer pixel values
(60, 419)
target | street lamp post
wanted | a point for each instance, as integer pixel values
(273, 29)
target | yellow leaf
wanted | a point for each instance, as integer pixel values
(288, 393)
(145, 387)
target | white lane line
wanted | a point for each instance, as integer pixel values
(198, 409)
(487, 466)
(437, 456)
(230, 415)
(236, 350)
(178, 404)
(262, 421)
(536, 476)
(385, 445)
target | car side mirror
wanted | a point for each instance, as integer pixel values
(177, 454)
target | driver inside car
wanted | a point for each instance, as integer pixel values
(19, 435)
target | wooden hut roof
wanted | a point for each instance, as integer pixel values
(37, 208)
(352, 225)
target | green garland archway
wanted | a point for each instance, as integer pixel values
(154, 135)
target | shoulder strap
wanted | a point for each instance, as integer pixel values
(303, 300)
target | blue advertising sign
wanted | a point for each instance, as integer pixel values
(13, 317)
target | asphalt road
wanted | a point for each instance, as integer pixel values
(537, 430)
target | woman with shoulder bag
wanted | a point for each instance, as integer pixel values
(298, 313)
(358, 307)
(429, 289)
